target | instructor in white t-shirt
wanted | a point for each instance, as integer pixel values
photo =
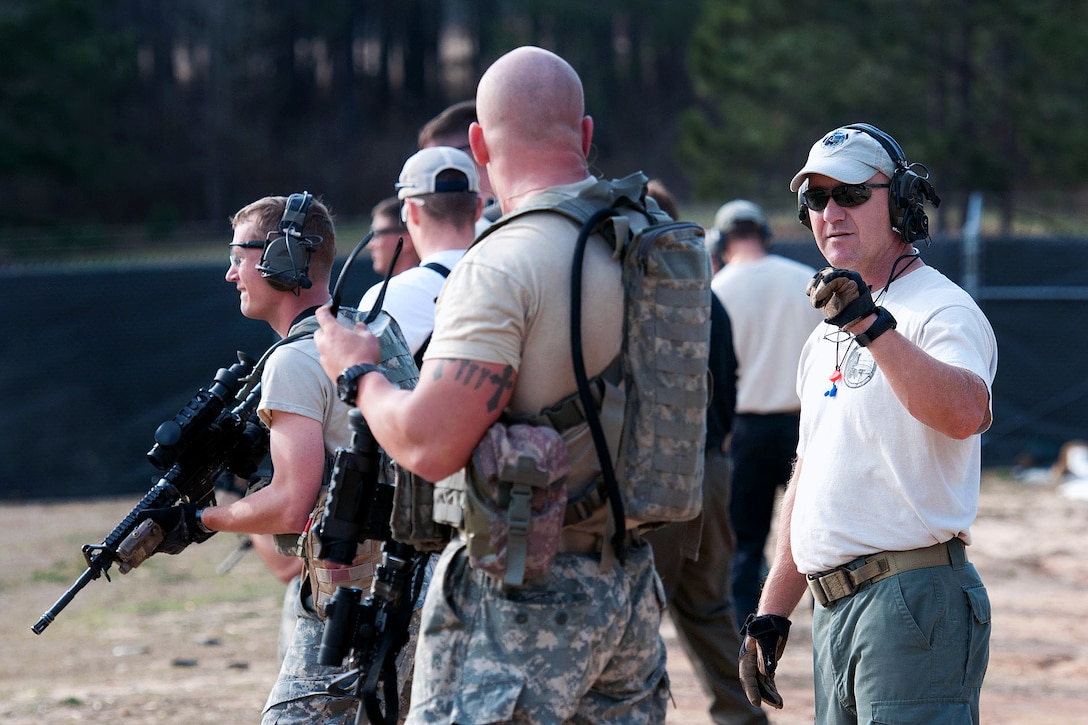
(895, 391)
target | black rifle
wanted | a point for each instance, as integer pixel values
(213, 433)
(374, 629)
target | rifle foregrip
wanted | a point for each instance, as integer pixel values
(161, 495)
(138, 546)
(100, 557)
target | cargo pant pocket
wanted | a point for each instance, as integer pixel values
(978, 642)
(491, 702)
(930, 712)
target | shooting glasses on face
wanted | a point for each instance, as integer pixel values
(845, 195)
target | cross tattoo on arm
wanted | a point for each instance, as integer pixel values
(475, 375)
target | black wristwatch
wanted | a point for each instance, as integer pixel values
(883, 322)
(347, 385)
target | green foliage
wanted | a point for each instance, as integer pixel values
(164, 114)
(60, 72)
(57, 573)
(989, 94)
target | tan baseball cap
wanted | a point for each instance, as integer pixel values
(849, 155)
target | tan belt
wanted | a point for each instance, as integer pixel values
(580, 542)
(831, 586)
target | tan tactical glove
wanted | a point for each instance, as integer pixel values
(763, 639)
(842, 295)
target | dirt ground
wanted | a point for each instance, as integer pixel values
(174, 641)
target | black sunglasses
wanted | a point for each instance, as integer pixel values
(845, 195)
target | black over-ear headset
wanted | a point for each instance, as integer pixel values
(906, 193)
(285, 261)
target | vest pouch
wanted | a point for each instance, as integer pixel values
(415, 520)
(324, 578)
(515, 500)
(449, 500)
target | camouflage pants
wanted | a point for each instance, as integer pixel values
(299, 696)
(578, 645)
(288, 617)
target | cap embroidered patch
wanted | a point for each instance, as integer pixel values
(836, 138)
(847, 156)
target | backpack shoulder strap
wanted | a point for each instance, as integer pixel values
(585, 395)
(628, 192)
(418, 357)
(440, 268)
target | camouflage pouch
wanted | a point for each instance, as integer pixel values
(414, 520)
(515, 501)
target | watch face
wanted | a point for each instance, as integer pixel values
(345, 387)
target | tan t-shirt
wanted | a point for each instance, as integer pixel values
(508, 303)
(294, 382)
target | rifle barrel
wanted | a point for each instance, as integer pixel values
(46, 619)
(190, 475)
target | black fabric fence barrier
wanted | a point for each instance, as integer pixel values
(97, 357)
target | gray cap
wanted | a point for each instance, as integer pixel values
(847, 155)
(740, 210)
(420, 173)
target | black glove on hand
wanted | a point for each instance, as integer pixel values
(179, 527)
(842, 295)
(763, 639)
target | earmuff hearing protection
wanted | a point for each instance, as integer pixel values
(285, 261)
(907, 192)
(908, 189)
(802, 207)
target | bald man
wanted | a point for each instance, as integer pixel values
(579, 642)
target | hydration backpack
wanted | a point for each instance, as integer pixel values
(656, 475)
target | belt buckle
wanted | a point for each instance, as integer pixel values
(832, 586)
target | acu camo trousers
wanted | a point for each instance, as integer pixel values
(576, 645)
